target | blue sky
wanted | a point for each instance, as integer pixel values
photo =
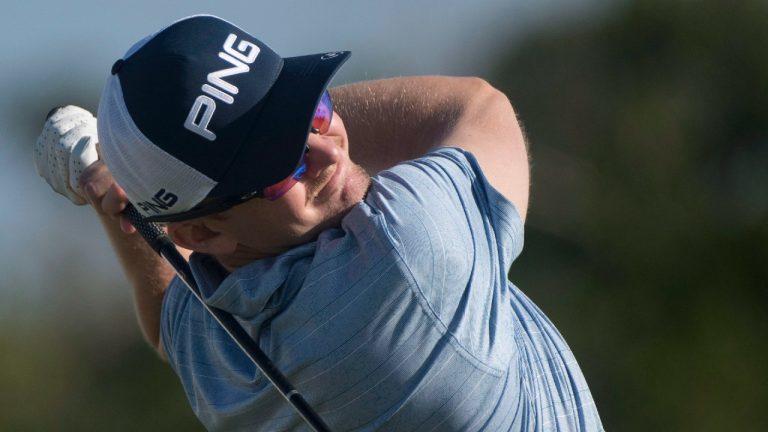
(55, 53)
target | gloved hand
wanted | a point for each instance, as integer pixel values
(65, 148)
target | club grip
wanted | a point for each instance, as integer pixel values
(152, 233)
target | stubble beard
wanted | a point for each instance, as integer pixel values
(354, 191)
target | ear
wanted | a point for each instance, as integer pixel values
(197, 236)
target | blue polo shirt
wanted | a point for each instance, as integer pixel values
(402, 319)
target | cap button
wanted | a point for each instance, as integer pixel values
(117, 66)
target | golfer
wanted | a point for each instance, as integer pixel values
(361, 234)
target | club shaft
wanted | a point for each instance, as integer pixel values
(159, 241)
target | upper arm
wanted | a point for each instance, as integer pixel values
(397, 119)
(488, 127)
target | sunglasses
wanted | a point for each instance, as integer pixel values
(321, 122)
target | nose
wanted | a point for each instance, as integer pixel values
(323, 153)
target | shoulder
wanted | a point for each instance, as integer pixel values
(420, 198)
(447, 189)
(442, 214)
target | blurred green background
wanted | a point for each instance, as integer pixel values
(646, 242)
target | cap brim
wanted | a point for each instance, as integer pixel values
(276, 141)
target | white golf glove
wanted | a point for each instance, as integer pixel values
(65, 148)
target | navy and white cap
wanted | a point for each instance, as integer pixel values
(203, 111)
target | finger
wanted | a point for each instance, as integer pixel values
(114, 201)
(58, 160)
(82, 155)
(67, 117)
(40, 152)
(43, 154)
(75, 197)
(126, 226)
(52, 112)
(95, 181)
(69, 152)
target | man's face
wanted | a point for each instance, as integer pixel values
(332, 185)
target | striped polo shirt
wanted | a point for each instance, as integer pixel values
(401, 319)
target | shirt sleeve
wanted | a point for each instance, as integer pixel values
(458, 237)
(174, 302)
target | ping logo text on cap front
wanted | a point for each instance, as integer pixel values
(202, 110)
(162, 201)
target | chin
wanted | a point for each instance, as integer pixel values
(355, 189)
(356, 186)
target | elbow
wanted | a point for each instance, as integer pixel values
(496, 136)
(479, 90)
(489, 107)
(494, 105)
(159, 349)
(161, 354)
(154, 340)
(490, 110)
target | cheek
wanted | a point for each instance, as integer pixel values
(302, 222)
(290, 218)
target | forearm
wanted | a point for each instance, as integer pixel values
(148, 274)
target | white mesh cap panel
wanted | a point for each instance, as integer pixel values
(141, 168)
